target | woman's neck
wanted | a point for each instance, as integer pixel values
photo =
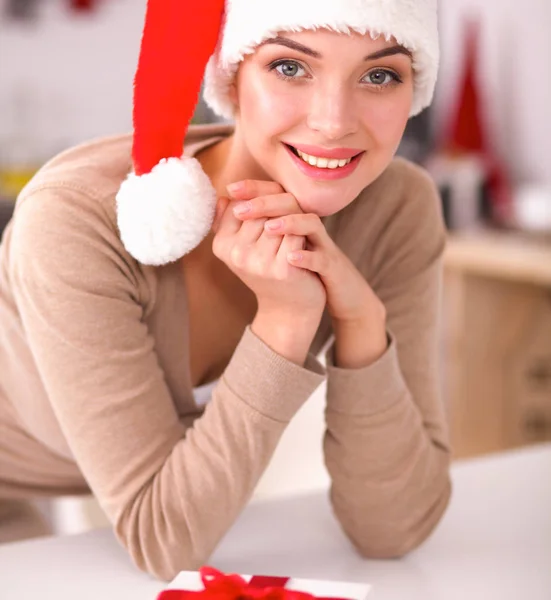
(229, 161)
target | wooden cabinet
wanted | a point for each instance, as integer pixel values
(497, 341)
(528, 379)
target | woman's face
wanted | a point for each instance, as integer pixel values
(322, 113)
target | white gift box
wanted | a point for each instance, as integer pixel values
(192, 581)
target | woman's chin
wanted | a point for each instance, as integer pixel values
(322, 200)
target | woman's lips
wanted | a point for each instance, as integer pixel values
(321, 173)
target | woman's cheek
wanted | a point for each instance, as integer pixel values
(271, 105)
(388, 120)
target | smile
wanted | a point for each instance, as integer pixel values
(327, 167)
(322, 163)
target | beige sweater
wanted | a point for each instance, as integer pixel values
(95, 391)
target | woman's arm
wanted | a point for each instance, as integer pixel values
(386, 444)
(170, 493)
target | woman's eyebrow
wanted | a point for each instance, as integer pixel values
(282, 41)
(391, 51)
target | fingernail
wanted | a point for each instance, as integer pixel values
(241, 208)
(235, 187)
(295, 256)
(275, 224)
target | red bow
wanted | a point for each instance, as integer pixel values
(218, 586)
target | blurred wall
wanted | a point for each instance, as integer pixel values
(75, 74)
(515, 71)
(68, 76)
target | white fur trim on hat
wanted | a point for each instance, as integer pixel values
(164, 214)
(413, 23)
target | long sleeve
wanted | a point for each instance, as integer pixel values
(386, 444)
(170, 492)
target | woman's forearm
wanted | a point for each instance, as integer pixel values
(290, 337)
(361, 342)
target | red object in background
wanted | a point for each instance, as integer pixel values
(467, 133)
(83, 5)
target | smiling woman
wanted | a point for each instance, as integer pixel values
(139, 268)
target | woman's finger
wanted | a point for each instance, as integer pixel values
(238, 249)
(308, 225)
(252, 188)
(315, 261)
(227, 223)
(221, 206)
(273, 205)
(250, 231)
(289, 244)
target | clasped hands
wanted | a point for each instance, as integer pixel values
(287, 258)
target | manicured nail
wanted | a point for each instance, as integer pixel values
(241, 208)
(233, 188)
(273, 225)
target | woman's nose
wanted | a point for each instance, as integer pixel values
(332, 112)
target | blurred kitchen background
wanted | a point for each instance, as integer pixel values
(66, 69)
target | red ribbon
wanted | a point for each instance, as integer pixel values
(218, 586)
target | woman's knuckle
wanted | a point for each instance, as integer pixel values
(281, 273)
(219, 249)
(237, 255)
(257, 264)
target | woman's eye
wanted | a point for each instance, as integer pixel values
(289, 69)
(381, 77)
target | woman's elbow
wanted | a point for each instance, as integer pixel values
(154, 544)
(396, 539)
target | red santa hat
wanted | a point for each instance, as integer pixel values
(165, 207)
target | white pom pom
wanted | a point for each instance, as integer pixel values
(166, 213)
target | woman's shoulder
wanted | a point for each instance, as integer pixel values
(65, 218)
(402, 184)
(72, 197)
(404, 195)
(92, 171)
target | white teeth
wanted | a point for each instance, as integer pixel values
(323, 163)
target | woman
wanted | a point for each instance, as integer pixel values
(121, 293)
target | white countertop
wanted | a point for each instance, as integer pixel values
(493, 543)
